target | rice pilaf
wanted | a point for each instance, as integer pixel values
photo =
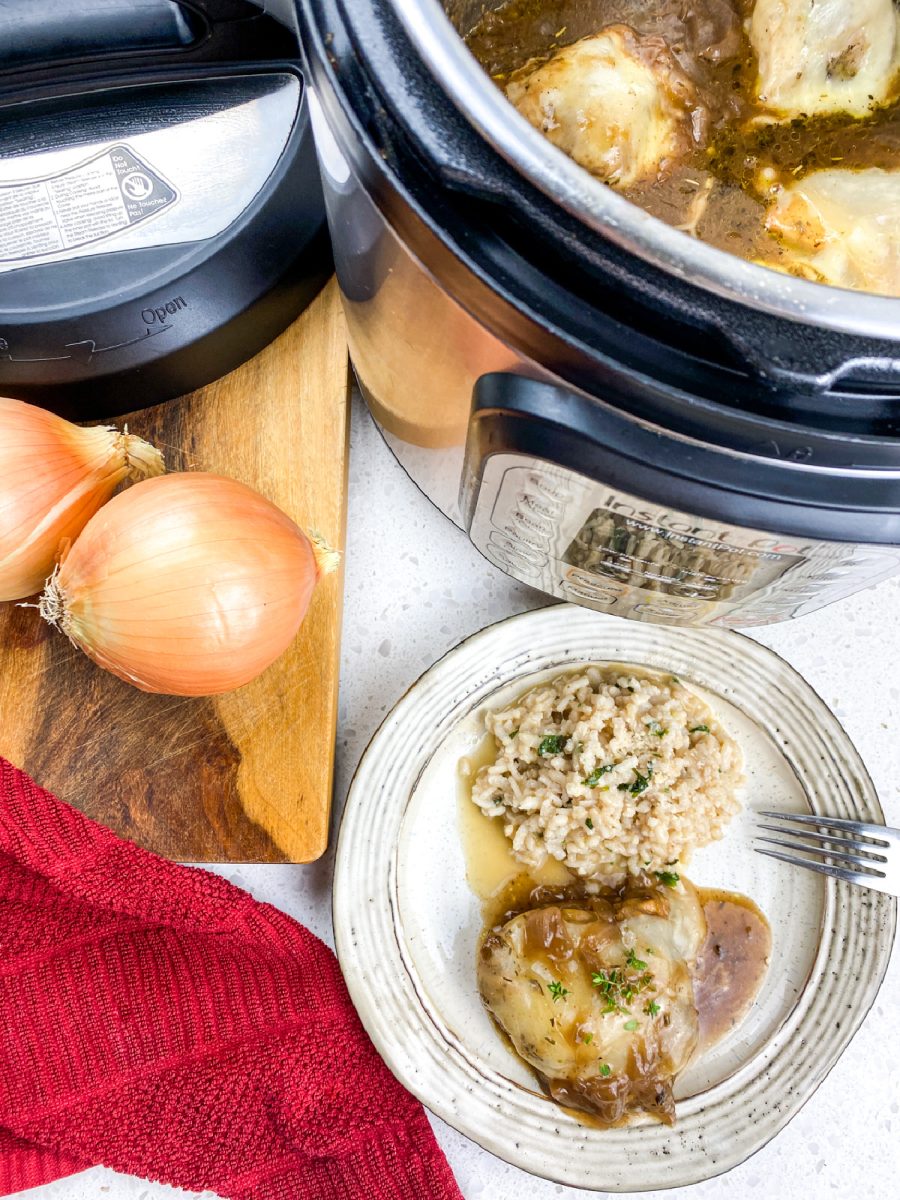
(610, 771)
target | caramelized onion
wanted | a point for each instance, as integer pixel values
(190, 584)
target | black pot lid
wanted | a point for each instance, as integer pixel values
(161, 217)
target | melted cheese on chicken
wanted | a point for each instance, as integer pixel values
(825, 56)
(841, 227)
(615, 102)
(597, 995)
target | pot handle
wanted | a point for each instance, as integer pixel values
(797, 358)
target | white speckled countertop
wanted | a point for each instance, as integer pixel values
(414, 587)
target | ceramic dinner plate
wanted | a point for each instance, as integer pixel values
(407, 923)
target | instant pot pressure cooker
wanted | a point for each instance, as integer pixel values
(632, 420)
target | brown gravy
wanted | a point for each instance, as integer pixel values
(732, 965)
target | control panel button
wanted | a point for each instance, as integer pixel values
(592, 595)
(515, 546)
(512, 563)
(667, 609)
(518, 533)
(551, 487)
(585, 579)
(533, 523)
(542, 506)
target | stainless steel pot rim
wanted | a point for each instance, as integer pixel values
(614, 217)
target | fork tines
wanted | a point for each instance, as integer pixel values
(850, 850)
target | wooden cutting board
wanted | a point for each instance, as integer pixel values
(246, 776)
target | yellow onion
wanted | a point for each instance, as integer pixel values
(53, 477)
(190, 584)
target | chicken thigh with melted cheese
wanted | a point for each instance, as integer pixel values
(842, 228)
(825, 56)
(617, 103)
(595, 993)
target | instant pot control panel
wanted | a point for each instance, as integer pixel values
(587, 537)
(589, 544)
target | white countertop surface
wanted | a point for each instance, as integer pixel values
(415, 587)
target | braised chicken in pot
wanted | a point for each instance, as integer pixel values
(768, 128)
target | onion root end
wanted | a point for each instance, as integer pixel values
(52, 604)
(142, 460)
(327, 559)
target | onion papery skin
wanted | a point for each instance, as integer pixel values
(53, 477)
(189, 585)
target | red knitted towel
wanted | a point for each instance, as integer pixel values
(156, 1019)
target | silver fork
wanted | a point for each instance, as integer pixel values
(852, 850)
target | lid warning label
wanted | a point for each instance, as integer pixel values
(94, 200)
